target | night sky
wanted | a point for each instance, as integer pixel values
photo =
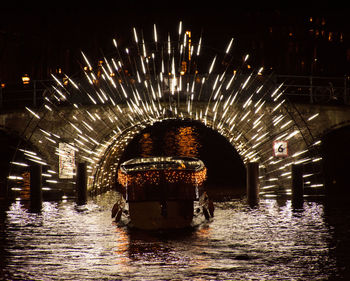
(37, 38)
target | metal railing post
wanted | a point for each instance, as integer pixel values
(1, 99)
(34, 93)
(345, 97)
(311, 90)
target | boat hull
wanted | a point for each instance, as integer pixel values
(161, 214)
(160, 190)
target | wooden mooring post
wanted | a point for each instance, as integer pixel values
(81, 184)
(253, 185)
(36, 195)
(297, 186)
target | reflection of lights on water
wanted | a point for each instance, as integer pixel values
(122, 248)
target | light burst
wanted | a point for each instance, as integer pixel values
(154, 80)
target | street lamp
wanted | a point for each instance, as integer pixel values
(25, 79)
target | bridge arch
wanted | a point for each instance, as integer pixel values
(181, 137)
(154, 81)
(12, 167)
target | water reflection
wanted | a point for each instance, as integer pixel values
(272, 242)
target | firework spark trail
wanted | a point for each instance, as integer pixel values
(149, 87)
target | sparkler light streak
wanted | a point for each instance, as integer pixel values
(152, 81)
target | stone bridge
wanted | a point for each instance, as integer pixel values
(94, 118)
(110, 132)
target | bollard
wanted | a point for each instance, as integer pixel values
(36, 196)
(297, 186)
(253, 183)
(81, 184)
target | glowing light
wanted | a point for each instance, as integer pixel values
(155, 33)
(212, 65)
(313, 117)
(25, 79)
(229, 46)
(135, 35)
(292, 134)
(141, 85)
(15, 178)
(317, 185)
(154, 177)
(19, 164)
(33, 113)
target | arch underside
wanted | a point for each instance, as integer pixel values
(274, 172)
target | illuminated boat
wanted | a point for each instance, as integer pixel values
(160, 191)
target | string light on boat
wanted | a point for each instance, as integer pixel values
(155, 177)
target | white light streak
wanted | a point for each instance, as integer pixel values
(212, 65)
(229, 46)
(246, 81)
(33, 113)
(260, 106)
(286, 124)
(180, 27)
(86, 60)
(316, 185)
(276, 91)
(19, 164)
(292, 134)
(299, 153)
(317, 159)
(277, 106)
(199, 46)
(15, 178)
(76, 128)
(136, 100)
(313, 117)
(155, 33)
(135, 35)
(245, 116)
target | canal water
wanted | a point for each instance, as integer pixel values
(270, 242)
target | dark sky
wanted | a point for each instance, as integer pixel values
(33, 32)
(79, 19)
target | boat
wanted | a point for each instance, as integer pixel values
(160, 191)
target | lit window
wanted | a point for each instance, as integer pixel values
(25, 79)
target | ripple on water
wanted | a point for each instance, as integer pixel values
(64, 242)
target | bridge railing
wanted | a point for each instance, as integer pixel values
(304, 89)
(316, 89)
(17, 96)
